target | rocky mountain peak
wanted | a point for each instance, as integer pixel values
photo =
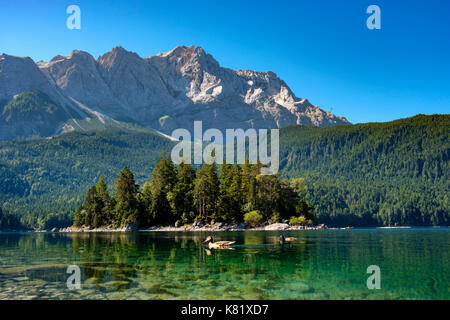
(166, 91)
(79, 55)
(11, 61)
(20, 74)
(186, 60)
(117, 56)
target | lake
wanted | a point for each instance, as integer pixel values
(321, 264)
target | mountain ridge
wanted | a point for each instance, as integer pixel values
(163, 92)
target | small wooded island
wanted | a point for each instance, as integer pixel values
(180, 195)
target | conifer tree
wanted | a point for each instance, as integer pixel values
(93, 208)
(184, 195)
(145, 205)
(182, 200)
(79, 220)
(161, 185)
(206, 191)
(231, 199)
(105, 198)
(236, 195)
(102, 190)
(246, 177)
(268, 196)
(126, 208)
(223, 202)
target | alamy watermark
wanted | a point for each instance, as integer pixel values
(374, 280)
(74, 280)
(74, 20)
(214, 151)
(374, 20)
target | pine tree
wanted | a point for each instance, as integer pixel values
(231, 199)
(126, 208)
(79, 220)
(206, 191)
(236, 195)
(161, 185)
(250, 196)
(182, 201)
(145, 205)
(246, 178)
(105, 198)
(102, 190)
(184, 195)
(288, 200)
(223, 202)
(93, 208)
(268, 196)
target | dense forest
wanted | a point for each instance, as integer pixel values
(393, 173)
(10, 221)
(43, 181)
(180, 195)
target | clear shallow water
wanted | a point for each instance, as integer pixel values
(327, 264)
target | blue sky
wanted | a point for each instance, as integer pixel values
(322, 49)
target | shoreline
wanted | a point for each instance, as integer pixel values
(209, 228)
(219, 227)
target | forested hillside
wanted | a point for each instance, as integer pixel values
(45, 180)
(394, 173)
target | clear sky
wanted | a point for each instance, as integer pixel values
(322, 49)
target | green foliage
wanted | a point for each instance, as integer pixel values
(43, 176)
(394, 173)
(231, 196)
(206, 191)
(100, 209)
(32, 105)
(12, 185)
(126, 208)
(183, 195)
(298, 221)
(31, 114)
(79, 219)
(268, 194)
(9, 221)
(253, 218)
(145, 202)
(106, 202)
(161, 185)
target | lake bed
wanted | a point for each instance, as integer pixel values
(320, 264)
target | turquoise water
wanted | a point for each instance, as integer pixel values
(328, 264)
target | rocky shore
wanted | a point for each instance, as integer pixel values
(196, 227)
